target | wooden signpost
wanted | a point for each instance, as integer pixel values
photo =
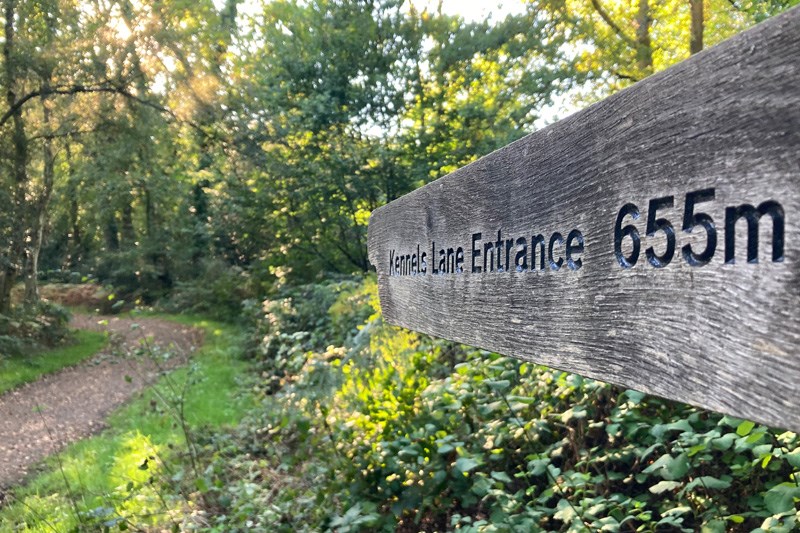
(651, 240)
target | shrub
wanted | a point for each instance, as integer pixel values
(394, 431)
(217, 292)
(63, 276)
(310, 317)
(29, 327)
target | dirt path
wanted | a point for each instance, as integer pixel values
(41, 418)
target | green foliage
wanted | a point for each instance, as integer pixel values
(166, 158)
(63, 276)
(28, 328)
(342, 106)
(615, 43)
(207, 158)
(318, 315)
(217, 292)
(391, 430)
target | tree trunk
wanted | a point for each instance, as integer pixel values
(32, 259)
(74, 233)
(149, 212)
(19, 163)
(128, 231)
(200, 204)
(111, 232)
(644, 48)
(696, 39)
(40, 217)
(157, 255)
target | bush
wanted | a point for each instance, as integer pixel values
(29, 327)
(217, 292)
(393, 431)
(135, 274)
(63, 276)
(309, 317)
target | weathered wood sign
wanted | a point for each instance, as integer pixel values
(651, 240)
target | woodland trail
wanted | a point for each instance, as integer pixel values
(40, 418)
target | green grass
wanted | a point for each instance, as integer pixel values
(16, 370)
(109, 476)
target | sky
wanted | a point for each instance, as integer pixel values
(473, 10)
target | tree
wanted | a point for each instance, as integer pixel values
(75, 72)
(617, 43)
(343, 106)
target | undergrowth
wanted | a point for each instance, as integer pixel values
(367, 427)
(30, 328)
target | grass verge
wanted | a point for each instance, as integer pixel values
(19, 369)
(141, 472)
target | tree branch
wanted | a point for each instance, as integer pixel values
(63, 134)
(614, 26)
(81, 89)
(623, 76)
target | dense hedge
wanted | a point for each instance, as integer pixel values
(27, 328)
(370, 427)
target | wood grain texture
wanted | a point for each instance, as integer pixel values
(721, 336)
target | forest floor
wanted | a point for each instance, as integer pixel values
(40, 418)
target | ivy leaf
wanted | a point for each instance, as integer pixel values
(659, 430)
(445, 448)
(678, 467)
(708, 482)
(565, 511)
(714, 483)
(466, 464)
(724, 442)
(664, 486)
(762, 450)
(694, 450)
(745, 428)
(674, 521)
(794, 458)
(766, 460)
(780, 498)
(498, 385)
(481, 486)
(635, 397)
(668, 467)
(538, 467)
(501, 476)
(714, 526)
(755, 437)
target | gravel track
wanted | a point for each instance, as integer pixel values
(41, 418)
